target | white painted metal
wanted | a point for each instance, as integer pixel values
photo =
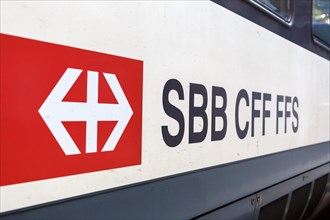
(194, 42)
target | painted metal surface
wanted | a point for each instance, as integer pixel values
(80, 121)
(200, 45)
(298, 33)
(188, 195)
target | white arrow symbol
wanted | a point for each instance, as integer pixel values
(54, 111)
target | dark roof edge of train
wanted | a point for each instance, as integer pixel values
(296, 32)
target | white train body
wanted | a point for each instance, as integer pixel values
(217, 89)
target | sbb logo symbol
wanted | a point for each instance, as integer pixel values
(54, 110)
(66, 111)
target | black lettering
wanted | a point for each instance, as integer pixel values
(279, 114)
(197, 111)
(241, 95)
(255, 113)
(295, 114)
(218, 112)
(173, 112)
(287, 113)
(265, 113)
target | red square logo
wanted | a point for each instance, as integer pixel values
(66, 111)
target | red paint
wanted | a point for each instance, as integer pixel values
(29, 71)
